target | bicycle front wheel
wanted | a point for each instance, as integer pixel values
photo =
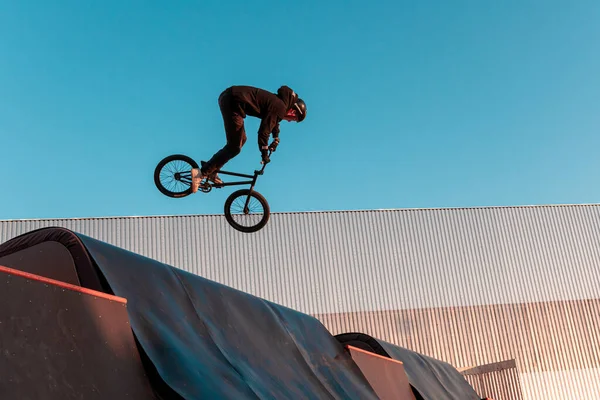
(247, 211)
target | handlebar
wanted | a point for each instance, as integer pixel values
(270, 152)
(263, 164)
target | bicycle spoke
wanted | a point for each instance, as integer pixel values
(167, 176)
(255, 211)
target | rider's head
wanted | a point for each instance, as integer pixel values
(297, 107)
(297, 112)
(300, 109)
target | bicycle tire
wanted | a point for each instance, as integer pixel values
(162, 164)
(243, 193)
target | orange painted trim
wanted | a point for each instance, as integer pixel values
(373, 354)
(27, 275)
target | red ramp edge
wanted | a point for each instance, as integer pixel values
(64, 285)
(386, 375)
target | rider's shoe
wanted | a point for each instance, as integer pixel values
(197, 177)
(214, 178)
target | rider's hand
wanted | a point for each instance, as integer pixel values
(274, 144)
(265, 156)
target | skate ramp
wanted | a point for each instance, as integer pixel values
(201, 338)
(60, 341)
(386, 376)
(211, 341)
(55, 253)
(431, 378)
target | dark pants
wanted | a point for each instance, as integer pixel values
(234, 131)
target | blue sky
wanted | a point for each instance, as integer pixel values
(411, 104)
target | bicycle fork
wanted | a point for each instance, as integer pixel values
(254, 178)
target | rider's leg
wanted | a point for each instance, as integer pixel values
(234, 132)
(236, 137)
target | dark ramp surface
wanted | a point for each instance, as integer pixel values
(55, 253)
(209, 341)
(62, 342)
(49, 259)
(433, 379)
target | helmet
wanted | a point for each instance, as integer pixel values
(300, 108)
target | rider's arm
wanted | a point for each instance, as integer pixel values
(275, 131)
(268, 124)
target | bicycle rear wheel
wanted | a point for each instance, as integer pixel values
(247, 212)
(173, 177)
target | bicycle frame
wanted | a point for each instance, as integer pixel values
(231, 207)
(251, 182)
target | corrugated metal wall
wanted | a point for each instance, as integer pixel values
(542, 337)
(497, 381)
(467, 279)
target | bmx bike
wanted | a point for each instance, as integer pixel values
(246, 210)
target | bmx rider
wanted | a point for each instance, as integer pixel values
(236, 102)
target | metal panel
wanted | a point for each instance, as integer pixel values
(375, 260)
(490, 268)
(498, 381)
(541, 337)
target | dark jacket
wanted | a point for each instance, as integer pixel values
(260, 103)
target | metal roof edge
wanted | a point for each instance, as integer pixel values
(340, 211)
